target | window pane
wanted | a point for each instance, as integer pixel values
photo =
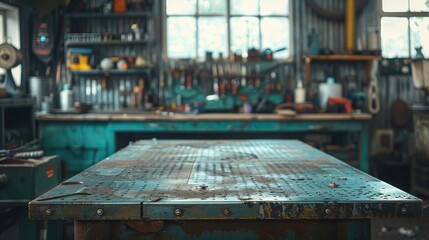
(212, 6)
(244, 33)
(244, 7)
(395, 5)
(274, 7)
(419, 35)
(275, 35)
(181, 37)
(394, 37)
(419, 5)
(181, 7)
(212, 36)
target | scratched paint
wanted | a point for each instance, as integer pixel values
(421, 122)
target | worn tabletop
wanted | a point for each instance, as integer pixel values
(225, 179)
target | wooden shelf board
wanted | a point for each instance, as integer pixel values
(102, 43)
(343, 57)
(109, 15)
(113, 71)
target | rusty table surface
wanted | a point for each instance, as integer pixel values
(224, 179)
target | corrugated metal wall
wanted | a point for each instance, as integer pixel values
(332, 36)
(331, 33)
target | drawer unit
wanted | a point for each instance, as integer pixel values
(79, 146)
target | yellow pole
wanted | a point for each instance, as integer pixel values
(350, 26)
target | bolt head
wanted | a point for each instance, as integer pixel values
(100, 212)
(404, 210)
(328, 211)
(227, 212)
(49, 212)
(178, 212)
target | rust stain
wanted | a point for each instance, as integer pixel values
(146, 227)
(267, 211)
(308, 212)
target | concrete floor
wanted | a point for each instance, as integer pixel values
(390, 229)
(398, 176)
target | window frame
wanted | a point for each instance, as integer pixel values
(12, 34)
(3, 32)
(405, 14)
(228, 17)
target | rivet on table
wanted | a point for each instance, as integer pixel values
(100, 212)
(49, 212)
(178, 212)
(227, 212)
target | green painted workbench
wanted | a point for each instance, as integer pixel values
(85, 139)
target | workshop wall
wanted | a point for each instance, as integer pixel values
(332, 36)
(331, 32)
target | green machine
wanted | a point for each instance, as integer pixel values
(25, 172)
(20, 181)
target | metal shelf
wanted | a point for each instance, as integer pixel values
(107, 43)
(17, 102)
(339, 58)
(109, 15)
(113, 71)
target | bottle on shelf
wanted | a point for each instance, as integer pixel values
(66, 98)
(299, 93)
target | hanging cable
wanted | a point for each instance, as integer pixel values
(373, 91)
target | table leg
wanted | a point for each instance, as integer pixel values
(363, 145)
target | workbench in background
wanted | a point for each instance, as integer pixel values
(84, 139)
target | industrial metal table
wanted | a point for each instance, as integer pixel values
(229, 189)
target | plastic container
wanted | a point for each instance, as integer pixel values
(39, 88)
(299, 93)
(66, 98)
(247, 108)
(329, 89)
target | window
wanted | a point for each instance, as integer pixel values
(404, 27)
(10, 32)
(195, 27)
